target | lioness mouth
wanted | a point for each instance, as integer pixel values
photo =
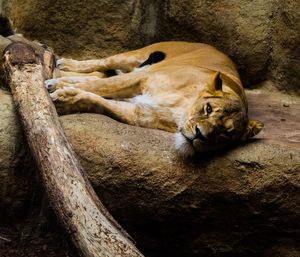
(199, 135)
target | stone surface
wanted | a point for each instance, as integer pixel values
(16, 179)
(243, 201)
(83, 29)
(285, 65)
(239, 28)
(288, 249)
(261, 36)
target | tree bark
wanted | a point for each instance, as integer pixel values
(92, 229)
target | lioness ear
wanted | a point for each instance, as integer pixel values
(252, 129)
(216, 82)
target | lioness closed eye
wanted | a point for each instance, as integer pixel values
(190, 89)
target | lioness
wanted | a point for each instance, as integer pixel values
(190, 89)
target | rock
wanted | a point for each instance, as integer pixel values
(260, 36)
(285, 66)
(242, 201)
(238, 27)
(15, 176)
(286, 249)
(80, 29)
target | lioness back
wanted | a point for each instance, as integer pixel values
(179, 53)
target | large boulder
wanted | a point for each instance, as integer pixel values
(261, 36)
(82, 29)
(242, 201)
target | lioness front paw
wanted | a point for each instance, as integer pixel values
(68, 94)
(71, 100)
(54, 84)
(59, 62)
(51, 84)
(65, 64)
(68, 65)
(66, 100)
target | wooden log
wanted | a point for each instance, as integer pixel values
(92, 229)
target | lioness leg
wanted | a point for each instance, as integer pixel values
(59, 73)
(121, 86)
(69, 99)
(56, 83)
(125, 62)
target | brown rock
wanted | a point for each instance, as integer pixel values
(261, 36)
(285, 65)
(239, 28)
(287, 249)
(16, 179)
(241, 201)
(79, 29)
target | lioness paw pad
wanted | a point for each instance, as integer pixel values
(59, 62)
(50, 84)
(65, 64)
(62, 64)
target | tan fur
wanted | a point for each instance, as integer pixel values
(174, 94)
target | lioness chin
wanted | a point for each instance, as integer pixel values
(190, 89)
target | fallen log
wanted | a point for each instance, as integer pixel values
(92, 229)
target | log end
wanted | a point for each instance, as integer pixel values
(20, 54)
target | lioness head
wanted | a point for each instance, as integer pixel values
(215, 119)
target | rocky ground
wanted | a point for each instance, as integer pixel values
(17, 242)
(243, 201)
